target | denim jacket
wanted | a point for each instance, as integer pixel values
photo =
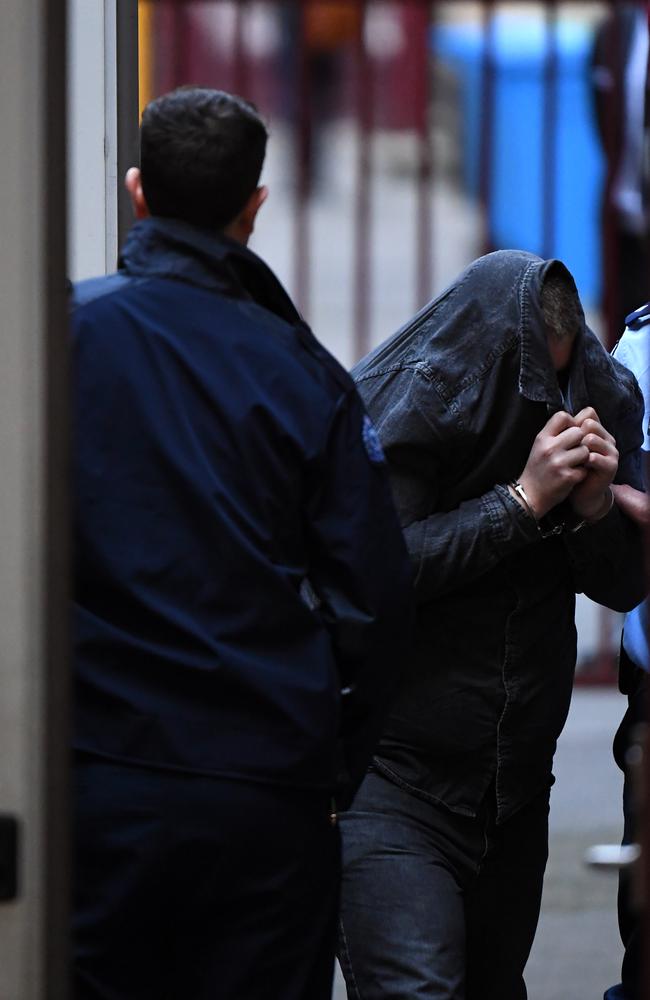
(458, 396)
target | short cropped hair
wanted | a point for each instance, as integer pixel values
(201, 155)
(561, 307)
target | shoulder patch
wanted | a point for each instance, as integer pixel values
(372, 443)
(638, 319)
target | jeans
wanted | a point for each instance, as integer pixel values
(197, 888)
(434, 904)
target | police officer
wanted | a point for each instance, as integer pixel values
(242, 592)
(633, 351)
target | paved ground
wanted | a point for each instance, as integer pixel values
(577, 954)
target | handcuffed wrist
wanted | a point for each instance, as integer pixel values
(516, 486)
(603, 511)
(547, 525)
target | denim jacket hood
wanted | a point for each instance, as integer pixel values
(491, 309)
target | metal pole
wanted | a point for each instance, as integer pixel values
(488, 73)
(302, 145)
(613, 144)
(422, 100)
(240, 62)
(549, 133)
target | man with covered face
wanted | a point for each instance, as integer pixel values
(504, 423)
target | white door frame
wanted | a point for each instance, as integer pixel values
(103, 130)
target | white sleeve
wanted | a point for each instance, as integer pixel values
(633, 351)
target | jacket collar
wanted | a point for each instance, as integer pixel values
(169, 248)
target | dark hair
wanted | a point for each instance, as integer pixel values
(561, 307)
(201, 155)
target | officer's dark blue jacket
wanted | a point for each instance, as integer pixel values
(238, 558)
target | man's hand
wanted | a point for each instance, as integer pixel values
(591, 499)
(556, 464)
(634, 503)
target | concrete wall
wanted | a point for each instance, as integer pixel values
(31, 196)
(21, 477)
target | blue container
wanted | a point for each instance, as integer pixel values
(516, 202)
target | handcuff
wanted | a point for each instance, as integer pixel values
(549, 526)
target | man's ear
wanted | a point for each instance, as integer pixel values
(133, 184)
(244, 224)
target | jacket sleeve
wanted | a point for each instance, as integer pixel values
(607, 558)
(448, 548)
(362, 578)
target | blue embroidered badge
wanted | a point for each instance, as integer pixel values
(372, 443)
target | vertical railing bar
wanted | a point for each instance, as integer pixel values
(424, 224)
(611, 245)
(240, 74)
(302, 137)
(179, 30)
(162, 31)
(488, 76)
(549, 129)
(361, 330)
